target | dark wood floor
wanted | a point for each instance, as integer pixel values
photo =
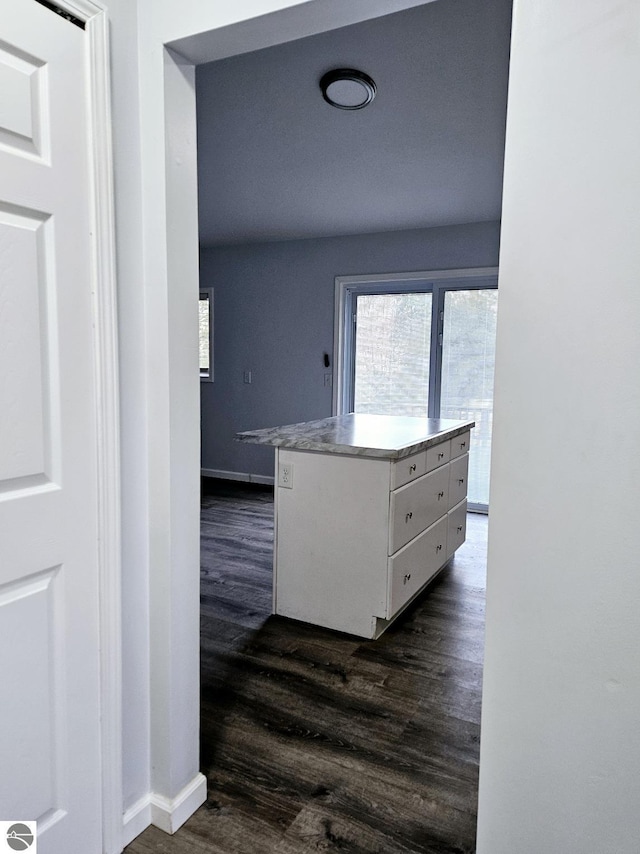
(317, 741)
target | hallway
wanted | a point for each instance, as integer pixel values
(315, 741)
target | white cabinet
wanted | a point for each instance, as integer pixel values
(358, 537)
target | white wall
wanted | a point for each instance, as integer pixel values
(560, 757)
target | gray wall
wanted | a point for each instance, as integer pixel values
(274, 305)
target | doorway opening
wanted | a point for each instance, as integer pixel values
(305, 306)
(291, 197)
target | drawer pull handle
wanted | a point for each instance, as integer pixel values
(439, 547)
(441, 455)
(440, 495)
(408, 516)
(412, 468)
(406, 578)
(459, 529)
(463, 444)
(461, 481)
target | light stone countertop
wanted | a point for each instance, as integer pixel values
(384, 436)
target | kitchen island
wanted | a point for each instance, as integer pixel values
(368, 509)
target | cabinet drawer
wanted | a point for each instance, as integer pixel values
(460, 445)
(456, 527)
(438, 455)
(416, 506)
(458, 474)
(408, 469)
(415, 564)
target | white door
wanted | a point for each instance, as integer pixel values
(49, 654)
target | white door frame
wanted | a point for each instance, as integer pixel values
(106, 377)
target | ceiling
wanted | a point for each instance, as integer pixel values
(275, 161)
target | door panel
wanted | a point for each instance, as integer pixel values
(468, 362)
(24, 389)
(392, 347)
(23, 126)
(49, 652)
(29, 612)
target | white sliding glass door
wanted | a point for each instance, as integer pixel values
(426, 348)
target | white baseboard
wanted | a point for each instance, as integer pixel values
(136, 819)
(162, 812)
(169, 815)
(245, 477)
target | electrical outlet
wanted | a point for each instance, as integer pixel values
(285, 475)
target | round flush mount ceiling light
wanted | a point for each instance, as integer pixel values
(347, 89)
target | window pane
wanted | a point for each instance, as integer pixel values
(205, 356)
(468, 361)
(393, 342)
